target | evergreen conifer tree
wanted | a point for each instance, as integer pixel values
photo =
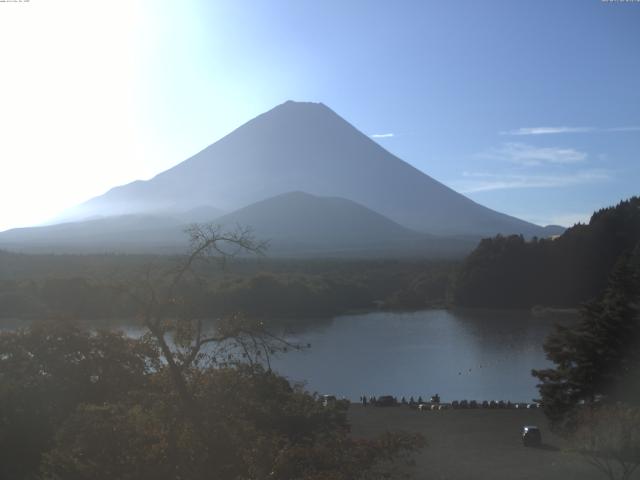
(597, 360)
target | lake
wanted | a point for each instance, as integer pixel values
(460, 354)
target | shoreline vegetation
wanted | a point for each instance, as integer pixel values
(541, 275)
(24, 302)
(95, 378)
(86, 287)
(300, 323)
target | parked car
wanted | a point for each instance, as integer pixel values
(531, 436)
(385, 401)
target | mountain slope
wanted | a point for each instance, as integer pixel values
(295, 224)
(301, 224)
(316, 219)
(307, 147)
(122, 233)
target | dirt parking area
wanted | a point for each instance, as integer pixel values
(477, 444)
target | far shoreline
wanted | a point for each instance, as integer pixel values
(7, 323)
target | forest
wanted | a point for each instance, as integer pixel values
(511, 272)
(89, 287)
(502, 272)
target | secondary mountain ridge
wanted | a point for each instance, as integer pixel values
(298, 147)
(303, 146)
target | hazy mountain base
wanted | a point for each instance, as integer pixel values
(295, 224)
(504, 272)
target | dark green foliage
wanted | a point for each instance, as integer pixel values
(509, 272)
(76, 405)
(46, 372)
(496, 273)
(269, 295)
(431, 288)
(597, 360)
(279, 289)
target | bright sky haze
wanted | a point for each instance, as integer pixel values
(531, 108)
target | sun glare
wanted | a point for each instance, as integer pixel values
(68, 81)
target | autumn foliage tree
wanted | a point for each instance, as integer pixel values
(193, 398)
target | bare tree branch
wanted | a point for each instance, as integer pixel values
(185, 338)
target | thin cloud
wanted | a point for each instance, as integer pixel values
(475, 182)
(556, 130)
(547, 130)
(382, 135)
(529, 155)
(632, 128)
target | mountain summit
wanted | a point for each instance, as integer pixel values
(301, 146)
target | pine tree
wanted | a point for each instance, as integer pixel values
(596, 360)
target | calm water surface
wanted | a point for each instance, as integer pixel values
(458, 354)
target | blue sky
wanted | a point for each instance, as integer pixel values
(529, 107)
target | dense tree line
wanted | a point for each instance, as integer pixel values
(510, 272)
(271, 290)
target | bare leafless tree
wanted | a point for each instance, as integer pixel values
(167, 300)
